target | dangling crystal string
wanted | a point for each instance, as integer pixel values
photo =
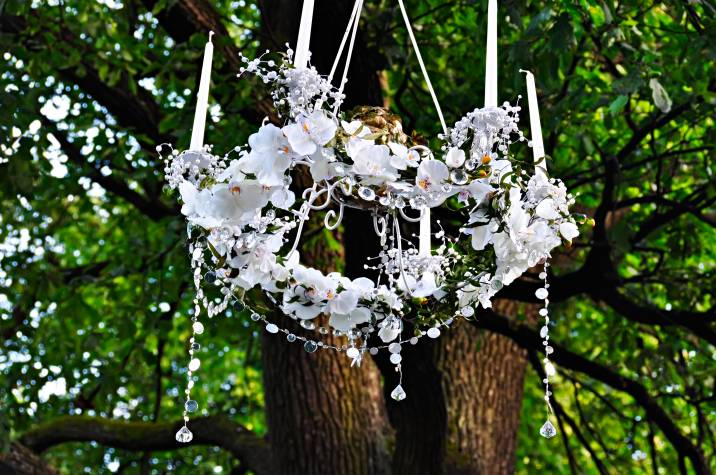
(184, 435)
(547, 430)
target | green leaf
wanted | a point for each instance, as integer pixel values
(617, 105)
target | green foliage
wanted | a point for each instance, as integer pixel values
(95, 276)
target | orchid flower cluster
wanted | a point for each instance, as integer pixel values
(513, 220)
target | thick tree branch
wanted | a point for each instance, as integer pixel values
(138, 113)
(529, 339)
(218, 431)
(20, 460)
(155, 210)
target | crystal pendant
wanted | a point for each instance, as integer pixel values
(191, 405)
(307, 324)
(467, 311)
(184, 435)
(459, 177)
(398, 393)
(310, 346)
(366, 193)
(547, 430)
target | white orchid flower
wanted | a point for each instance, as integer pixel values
(432, 174)
(546, 209)
(355, 127)
(348, 321)
(425, 286)
(269, 158)
(310, 131)
(476, 190)
(324, 165)
(236, 202)
(403, 157)
(344, 302)
(481, 235)
(455, 157)
(372, 163)
(568, 230)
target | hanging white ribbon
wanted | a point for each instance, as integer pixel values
(304, 35)
(357, 6)
(422, 65)
(353, 28)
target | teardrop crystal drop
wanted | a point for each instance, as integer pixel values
(398, 393)
(184, 435)
(547, 430)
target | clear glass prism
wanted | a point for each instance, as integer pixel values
(184, 435)
(547, 430)
(398, 393)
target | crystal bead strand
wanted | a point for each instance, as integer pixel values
(184, 435)
(396, 358)
(547, 430)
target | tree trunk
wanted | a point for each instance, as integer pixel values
(464, 389)
(464, 394)
(324, 417)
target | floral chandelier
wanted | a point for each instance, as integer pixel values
(245, 219)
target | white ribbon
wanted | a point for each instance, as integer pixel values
(357, 6)
(353, 27)
(422, 65)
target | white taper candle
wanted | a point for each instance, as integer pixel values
(424, 245)
(491, 56)
(304, 35)
(535, 126)
(202, 98)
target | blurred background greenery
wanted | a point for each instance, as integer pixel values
(95, 289)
